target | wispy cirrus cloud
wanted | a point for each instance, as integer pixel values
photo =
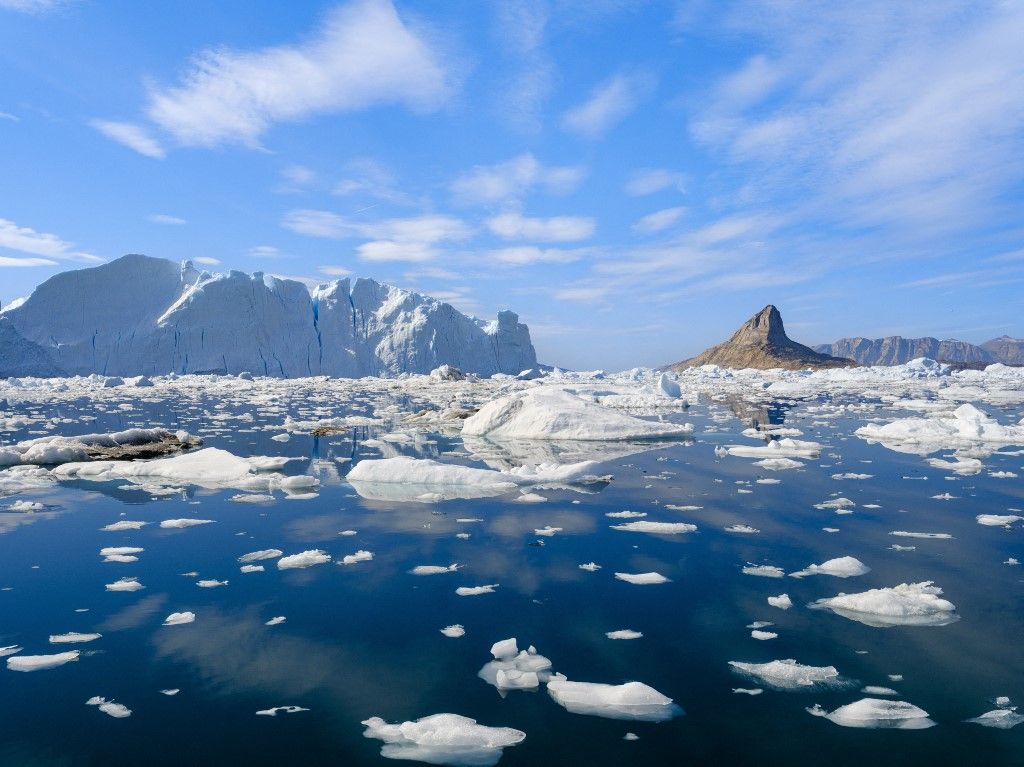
(49, 246)
(515, 226)
(513, 179)
(131, 135)
(609, 103)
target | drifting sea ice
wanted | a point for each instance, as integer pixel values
(443, 739)
(473, 591)
(590, 567)
(513, 669)
(360, 556)
(258, 556)
(303, 559)
(179, 619)
(764, 571)
(125, 584)
(998, 520)
(841, 567)
(180, 524)
(876, 713)
(908, 604)
(434, 569)
(41, 662)
(281, 709)
(108, 707)
(277, 620)
(763, 635)
(624, 634)
(783, 448)
(782, 601)
(790, 675)
(454, 631)
(1001, 718)
(967, 426)
(73, 637)
(421, 479)
(124, 554)
(642, 579)
(655, 528)
(630, 701)
(124, 524)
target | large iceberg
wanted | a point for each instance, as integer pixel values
(442, 739)
(140, 315)
(908, 604)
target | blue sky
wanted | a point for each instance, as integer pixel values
(635, 179)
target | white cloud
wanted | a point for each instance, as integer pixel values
(9, 116)
(298, 175)
(610, 103)
(530, 254)
(32, 6)
(335, 271)
(363, 55)
(520, 35)
(264, 251)
(514, 178)
(163, 218)
(26, 240)
(132, 136)
(370, 177)
(513, 226)
(424, 229)
(207, 260)
(390, 250)
(661, 219)
(652, 180)
(582, 294)
(17, 261)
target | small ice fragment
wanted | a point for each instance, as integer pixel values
(303, 559)
(277, 620)
(281, 709)
(116, 710)
(443, 739)
(179, 619)
(1001, 718)
(631, 736)
(73, 637)
(125, 584)
(360, 556)
(642, 579)
(877, 713)
(764, 571)
(258, 556)
(170, 692)
(548, 531)
(454, 631)
(590, 567)
(124, 524)
(41, 662)
(632, 700)
(841, 567)
(624, 634)
(472, 591)
(744, 529)
(434, 569)
(872, 689)
(178, 524)
(210, 584)
(252, 568)
(782, 601)
(763, 635)
(908, 604)
(656, 528)
(789, 675)
(747, 691)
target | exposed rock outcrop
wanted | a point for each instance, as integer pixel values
(897, 350)
(762, 343)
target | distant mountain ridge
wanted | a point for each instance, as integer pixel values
(761, 342)
(897, 350)
(141, 315)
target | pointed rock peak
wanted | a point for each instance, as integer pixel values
(766, 325)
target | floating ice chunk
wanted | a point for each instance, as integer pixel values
(778, 464)
(769, 481)
(210, 583)
(513, 669)
(642, 579)
(259, 556)
(434, 569)
(851, 475)
(179, 619)
(872, 689)
(1001, 718)
(627, 514)
(624, 634)
(123, 554)
(54, 450)
(908, 604)
(962, 466)
(472, 591)
(25, 506)
(170, 692)
(877, 713)
(839, 505)
(252, 568)
(282, 437)
(747, 691)
(764, 571)
(529, 498)
(10, 649)
(967, 426)
(550, 413)
(277, 620)
(547, 531)
(632, 700)
(743, 529)
(108, 707)
(41, 662)
(631, 736)
(782, 601)
(454, 631)
(911, 534)
(360, 556)
(420, 479)
(443, 739)
(789, 675)
(783, 448)
(124, 524)
(281, 710)
(251, 498)
(73, 637)
(552, 473)
(998, 520)
(841, 567)
(178, 524)
(1002, 474)
(590, 567)
(763, 635)
(125, 584)
(303, 559)
(655, 528)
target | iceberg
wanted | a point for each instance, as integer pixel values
(128, 444)
(443, 739)
(841, 567)
(108, 707)
(655, 528)
(41, 662)
(552, 413)
(908, 604)
(876, 713)
(966, 427)
(421, 479)
(631, 701)
(789, 675)
(150, 316)
(515, 669)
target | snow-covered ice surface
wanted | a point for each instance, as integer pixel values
(443, 739)
(615, 522)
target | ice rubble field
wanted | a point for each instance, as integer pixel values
(791, 557)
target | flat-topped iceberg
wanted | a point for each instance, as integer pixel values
(553, 413)
(127, 444)
(908, 604)
(421, 479)
(443, 739)
(789, 675)
(786, 447)
(632, 700)
(877, 713)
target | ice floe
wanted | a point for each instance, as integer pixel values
(908, 604)
(642, 579)
(125, 584)
(877, 713)
(180, 524)
(782, 601)
(967, 426)
(303, 560)
(655, 528)
(789, 675)
(841, 567)
(1000, 718)
(473, 591)
(624, 634)
(454, 631)
(630, 701)
(109, 707)
(73, 637)
(434, 569)
(259, 556)
(443, 739)
(179, 619)
(41, 662)
(515, 669)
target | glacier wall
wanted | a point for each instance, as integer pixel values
(141, 315)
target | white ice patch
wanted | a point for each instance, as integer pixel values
(473, 591)
(624, 634)
(41, 662)
(782, 448)
(108, 707)
(180, 524)
(998, 520)
(630, 701)
(454, 631)
(124, 524)
(125, 584)
(789, 675)
(420, 479)
(73, 637)
(908, 604)
(360, 556)
(764, 571)
(642, 579)
(434, 569)
(1001, 718)
(281, 710)
(967, 426)
(655, 528)
(179, 619)
(841, 567)
(877, 713)
(443, 739)
(782, 601)
(303, 559)
(513, 669)
(259, 556)
(590, 567)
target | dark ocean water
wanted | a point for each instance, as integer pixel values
(364, 640)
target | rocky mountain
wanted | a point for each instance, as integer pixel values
(762, 343)
(141, 315)
(1009, 351)
(897, 350)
